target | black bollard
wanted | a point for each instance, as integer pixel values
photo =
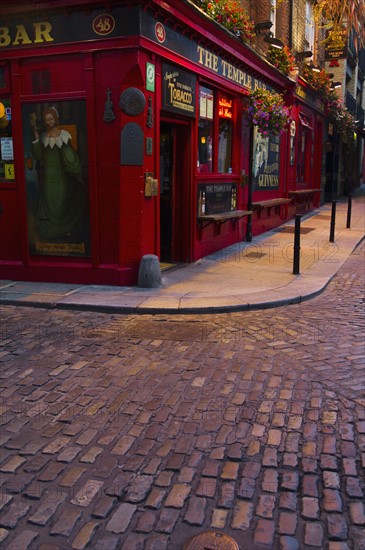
(349, 206)
(333, 222)
(296, 258)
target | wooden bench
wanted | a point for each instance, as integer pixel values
(222, 217)
(301, 199)
(260, 205)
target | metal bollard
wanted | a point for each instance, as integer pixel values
(296, 258)
(333, 222)
(349, 206)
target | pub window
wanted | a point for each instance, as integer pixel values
(304, 148)
(225, 134)
(205, 130)
(215, 131)
(6, 142)
(41, 82)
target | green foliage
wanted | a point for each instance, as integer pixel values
(267, 111)
(231, 15)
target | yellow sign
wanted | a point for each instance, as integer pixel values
(41, 32)
(2, 109)
(9, 171)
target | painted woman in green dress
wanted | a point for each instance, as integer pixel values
(60, 210)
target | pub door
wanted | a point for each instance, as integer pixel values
(174, 169)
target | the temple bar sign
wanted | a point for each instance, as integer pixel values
(336, 45)
(178, 91)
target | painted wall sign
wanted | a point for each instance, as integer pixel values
(76, 26)
(130, 20)
(57, 179)
(183, 45)
(178, 90)
(265, 162)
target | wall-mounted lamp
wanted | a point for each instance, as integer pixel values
(335, 85)
(313, 67)
(274, 42)
(303, 55)
(263, 26)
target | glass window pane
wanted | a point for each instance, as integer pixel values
(6, 142)
(225, 135)
(205, 146)
(205, 130)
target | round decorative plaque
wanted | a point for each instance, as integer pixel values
(132, 101)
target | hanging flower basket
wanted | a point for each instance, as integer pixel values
(343, 121)
(282, 59)
(318, 81)
(231, 15)
(267, 111)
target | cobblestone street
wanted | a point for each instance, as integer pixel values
(139, 431)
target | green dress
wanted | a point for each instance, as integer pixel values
(60, 210)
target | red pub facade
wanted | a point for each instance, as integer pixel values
(154, 153)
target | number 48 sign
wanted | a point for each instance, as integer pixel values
(103, 24)
(150, 77)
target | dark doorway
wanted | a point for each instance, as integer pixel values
(174, 167)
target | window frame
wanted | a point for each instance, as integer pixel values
(216, 125)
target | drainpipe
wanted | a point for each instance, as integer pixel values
(290, 24)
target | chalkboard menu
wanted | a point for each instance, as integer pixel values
(216, 198)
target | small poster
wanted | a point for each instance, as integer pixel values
(203, 105)
(210, 104)
(7, 148)
(9, 172)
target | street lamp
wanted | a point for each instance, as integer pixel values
(303, 55)
(274, 42)
(314, 68)
(263, 26)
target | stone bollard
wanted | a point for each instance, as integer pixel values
(149, 273)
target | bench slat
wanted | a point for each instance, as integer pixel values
(270, 202)
(225, 215)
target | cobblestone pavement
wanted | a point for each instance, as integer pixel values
(138, 432)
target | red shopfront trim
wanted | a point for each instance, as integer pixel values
(124, 221)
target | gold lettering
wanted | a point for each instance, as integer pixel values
(208, 59)
(21, 36)
(200, 52)
(42, 32)
(4, 36)
(224, 67)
